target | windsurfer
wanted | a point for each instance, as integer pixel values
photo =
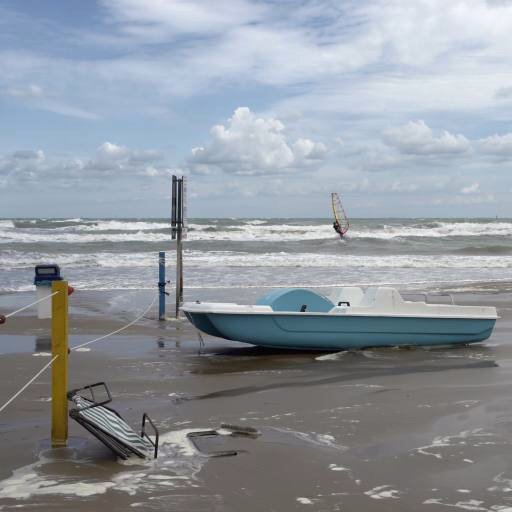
(341, 223)
(337, 228)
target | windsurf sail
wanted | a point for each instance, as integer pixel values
(341, 223)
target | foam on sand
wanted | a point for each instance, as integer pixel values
(177, 466)
(382, 492)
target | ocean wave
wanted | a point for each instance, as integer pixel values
(436, 230)
(117, 225)
(256, 222)
(484, 249)
(215, 259)
(276, 234)
(119, 230)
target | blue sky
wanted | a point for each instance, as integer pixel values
(402, 106)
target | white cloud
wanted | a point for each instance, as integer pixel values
(28, 154)
(400, 186)
(499, 145)
(250, 145)
(488, 198)
(474, 188)
(416, 138)
(341, 58)
(158, 19)
(30, 91)
(112, 160)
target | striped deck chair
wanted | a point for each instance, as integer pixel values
(108, 426)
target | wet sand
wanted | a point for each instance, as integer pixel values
(376, 429)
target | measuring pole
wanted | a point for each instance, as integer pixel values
(60, 365)
(161, 285)
(179, 273)
(178, 209)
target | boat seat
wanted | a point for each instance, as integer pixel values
(382, 298)
(350, 294)
(109, 427)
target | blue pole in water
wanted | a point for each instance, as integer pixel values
(161, 285)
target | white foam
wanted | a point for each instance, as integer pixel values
(304, 501)
(334, 467)
(177, 466)
(436, 230)
(5, 223)
(194, 258)
(464, 438)
(325, 440)
(382, 492)
(26, 482)
(475, 505)
(332, 357)
(503, 484)
(250, 230)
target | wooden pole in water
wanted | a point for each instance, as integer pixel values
(60, 364)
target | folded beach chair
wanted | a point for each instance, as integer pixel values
(108, 426)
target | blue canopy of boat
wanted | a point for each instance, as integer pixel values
(294, 299)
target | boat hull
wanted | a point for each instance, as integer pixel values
(326, 332)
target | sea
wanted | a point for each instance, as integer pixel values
(236, 253)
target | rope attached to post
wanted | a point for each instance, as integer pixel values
(25, 307)
(25, 386)
(28, 383)
(116, 331)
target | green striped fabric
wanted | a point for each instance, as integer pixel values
(111, 424)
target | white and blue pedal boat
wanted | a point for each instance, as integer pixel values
(298, 318)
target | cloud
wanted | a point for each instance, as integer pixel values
(109, 160)
(503, 93)
(113, 158)
(30, 91)
(474, 188)
(157, 20)
(488, 198)
(33, 95)
(251, 145)
(359, 57)
(416, 138)
(499, 145)
(28, 154)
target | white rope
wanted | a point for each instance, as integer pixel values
(73, 348)
(118, 330)
(29, 305)
(28, 383)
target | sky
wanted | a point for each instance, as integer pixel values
(403, 107)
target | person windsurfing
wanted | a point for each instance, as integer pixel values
(341, 223)
(337, 228)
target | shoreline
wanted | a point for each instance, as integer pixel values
(337, 429)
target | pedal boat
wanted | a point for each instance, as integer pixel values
(298, 318)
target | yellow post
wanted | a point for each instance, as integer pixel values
(60, 365)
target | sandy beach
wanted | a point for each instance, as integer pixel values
(377, 429)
